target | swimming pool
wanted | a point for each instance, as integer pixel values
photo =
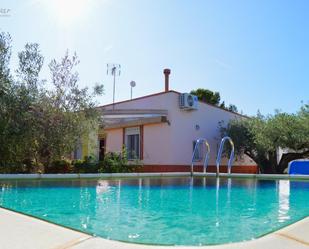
(170, 211)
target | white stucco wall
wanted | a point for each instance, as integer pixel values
(183, 125)
(157, 144)
(172, 144)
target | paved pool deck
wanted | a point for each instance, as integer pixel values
(18, 231)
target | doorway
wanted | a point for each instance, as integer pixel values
(101, 149)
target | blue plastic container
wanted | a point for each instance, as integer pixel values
(299, 167)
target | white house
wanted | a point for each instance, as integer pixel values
(161, 129)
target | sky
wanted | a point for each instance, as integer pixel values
(255, 53)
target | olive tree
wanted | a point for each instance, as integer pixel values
(38, 124)
(65, 113)
(6, 96)
(261, 137)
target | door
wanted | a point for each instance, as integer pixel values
(102, 149)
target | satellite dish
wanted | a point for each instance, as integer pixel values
(132, 84)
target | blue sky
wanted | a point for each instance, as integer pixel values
(255, 53)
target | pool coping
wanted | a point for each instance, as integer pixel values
(58, 237)
(134, 175)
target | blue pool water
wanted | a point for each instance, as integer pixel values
(173, 211)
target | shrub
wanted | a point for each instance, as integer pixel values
(24, 167)
(88, 165)
(112, 163)
(59, 167)
(118, 163)
(13, 168)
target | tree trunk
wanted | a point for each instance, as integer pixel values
(269, 167)
(273, 162)
(266, 164)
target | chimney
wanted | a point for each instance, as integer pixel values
(167, 72)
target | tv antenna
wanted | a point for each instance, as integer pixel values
(113, 70)
(132, 84)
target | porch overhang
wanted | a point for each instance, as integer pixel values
(113, 119)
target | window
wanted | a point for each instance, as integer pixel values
(198, 153)
(132, 142)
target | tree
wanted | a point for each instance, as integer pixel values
(30, 65)
(29, 89)
(7, 101)
(207, 96)
(40, 125)
(5, 55)
(260, 138)
(64, 114)
(232, 108)
(5, 78)
(212, 98)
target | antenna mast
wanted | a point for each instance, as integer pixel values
(132, 84)
(113, 70)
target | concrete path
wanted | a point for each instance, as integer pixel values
(19, 231)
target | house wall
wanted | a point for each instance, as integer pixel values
(172, 144)
(154, 136)
(157, 144)
(114, 141)
(207, 118)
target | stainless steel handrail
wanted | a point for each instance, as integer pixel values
(206, 159)
(219, 156)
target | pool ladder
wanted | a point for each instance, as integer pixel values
(198, 142)
(219, 155)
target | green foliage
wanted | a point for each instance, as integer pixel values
(59, 167)
(207, 96)
(118, 163)
(14, 168)
(260, 137)
(85, 166)
(212, 98)
(5, 55)
(232, 108)
(30, 65)
(38, 124)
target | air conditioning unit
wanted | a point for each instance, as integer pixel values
(188, 101)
